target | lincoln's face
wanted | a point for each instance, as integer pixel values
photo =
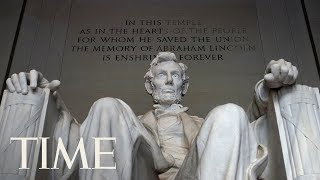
(167, 83)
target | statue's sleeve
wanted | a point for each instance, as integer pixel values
(258, 106)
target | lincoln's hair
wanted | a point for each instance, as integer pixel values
(165, 57)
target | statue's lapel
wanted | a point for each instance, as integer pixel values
(190, 127)
(150, 123)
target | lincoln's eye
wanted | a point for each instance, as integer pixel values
(175, 76)
(161, 75)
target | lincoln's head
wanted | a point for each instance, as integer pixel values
(166, 79)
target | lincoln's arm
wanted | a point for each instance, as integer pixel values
(278, 74)
(258, 106)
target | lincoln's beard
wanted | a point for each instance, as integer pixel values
(166, 98)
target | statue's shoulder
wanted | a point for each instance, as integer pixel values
(146, 116)
(148, 119)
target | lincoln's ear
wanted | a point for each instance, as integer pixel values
(149, 87)
(185, 87)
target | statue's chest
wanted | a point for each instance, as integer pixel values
(173, 141)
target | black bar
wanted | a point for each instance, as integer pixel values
(13, 46)
(310, 36)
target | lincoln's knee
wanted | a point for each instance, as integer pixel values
(227, 114)
(107, 104)
(233, 108)
(226, 108)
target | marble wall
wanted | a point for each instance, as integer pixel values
(53, 34)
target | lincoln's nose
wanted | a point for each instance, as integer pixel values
(169, 79)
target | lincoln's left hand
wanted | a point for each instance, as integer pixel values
(280, 73)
